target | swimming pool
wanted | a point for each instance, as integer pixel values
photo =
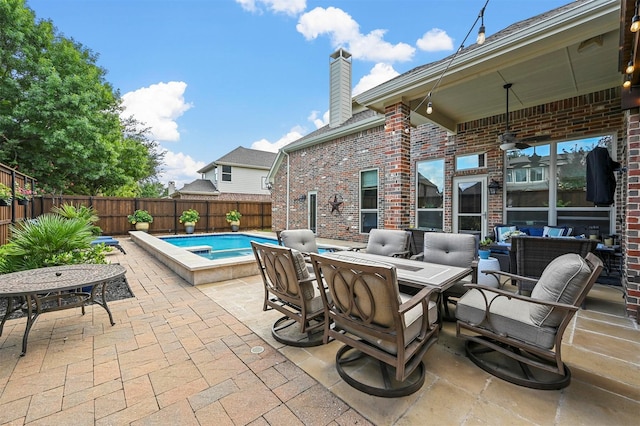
(218, 246)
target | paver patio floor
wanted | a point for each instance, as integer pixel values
(185, 355)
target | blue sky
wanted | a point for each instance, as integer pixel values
(211, 75)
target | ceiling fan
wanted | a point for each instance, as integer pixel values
(508, 140)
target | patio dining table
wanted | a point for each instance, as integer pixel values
(412, 273)
(56, 288)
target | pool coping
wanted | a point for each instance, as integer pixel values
(196, 269)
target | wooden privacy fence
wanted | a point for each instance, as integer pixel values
(14, 211)
(166, 213)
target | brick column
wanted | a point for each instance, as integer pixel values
(396, 181)
(632, 221)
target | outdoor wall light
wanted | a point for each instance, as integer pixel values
(302, 198)
(494, 187)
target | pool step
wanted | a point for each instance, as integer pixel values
(199, 249)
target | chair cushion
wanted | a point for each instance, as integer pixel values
(450, 249)
(413, 321)
(303, 240)
(501, 230)
(562, 281)
(507, 317)
(387, 242)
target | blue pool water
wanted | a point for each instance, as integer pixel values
(223, 246)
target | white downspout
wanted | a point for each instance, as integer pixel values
(288, 187)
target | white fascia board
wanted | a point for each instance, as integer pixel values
(561, 22)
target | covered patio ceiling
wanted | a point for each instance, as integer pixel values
(568, 52)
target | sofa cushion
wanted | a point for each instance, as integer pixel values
(536, 231)
(561, 281)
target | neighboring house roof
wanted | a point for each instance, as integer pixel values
(243, 157)
(199, 186)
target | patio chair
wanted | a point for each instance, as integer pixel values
(303, 240)
(388, 242)
(454, 250)
(290, 289)
(519, 338)
(109, 242)
(385, 332)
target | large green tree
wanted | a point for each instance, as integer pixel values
(59, 119)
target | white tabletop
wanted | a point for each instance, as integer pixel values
(411, 272)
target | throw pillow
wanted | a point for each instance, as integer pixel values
(501, 230)
(550, 231)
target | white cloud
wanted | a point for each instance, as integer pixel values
(157, 107)
(264, 145)
(380, 73)
(317, 121)
(180, 168)
(290, 7)
(345, 31)
(435, 40)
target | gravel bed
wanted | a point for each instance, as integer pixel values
(115, 291)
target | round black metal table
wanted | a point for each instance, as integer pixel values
(56, 288)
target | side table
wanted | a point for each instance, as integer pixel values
(490, 264)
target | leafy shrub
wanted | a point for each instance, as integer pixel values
(89, 214)
(50, 241)
(140, 216)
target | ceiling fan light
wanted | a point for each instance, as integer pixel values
(507, 146)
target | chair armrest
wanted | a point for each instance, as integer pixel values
(415, 299)
(511, 295)
(403, 254)
(497, 274)
(419, 256)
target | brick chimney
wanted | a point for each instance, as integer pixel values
(339, 88)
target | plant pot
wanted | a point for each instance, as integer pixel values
(235, 226)
(142, 226)
(484, 254)
(5, 203)
(23, 202)
(189, 227)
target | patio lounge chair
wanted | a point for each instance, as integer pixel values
(385, 333)
(290, 289)
(519, 338)
(108, 241)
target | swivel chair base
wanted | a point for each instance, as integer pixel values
(375, 377)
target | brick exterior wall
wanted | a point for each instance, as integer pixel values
(333, 168)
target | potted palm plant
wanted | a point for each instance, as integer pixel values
(6, 195)
(233, 217)
(141, 219)
(189, 218)
(484, 250)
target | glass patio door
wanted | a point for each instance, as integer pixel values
(313, 211)
(470, 205)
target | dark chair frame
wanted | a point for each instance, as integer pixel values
(283, 292)
(402, 373)
(527, 360)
